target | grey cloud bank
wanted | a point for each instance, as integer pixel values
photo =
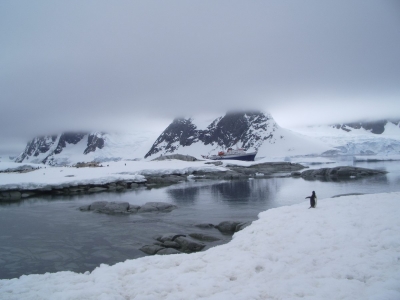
(73, 65)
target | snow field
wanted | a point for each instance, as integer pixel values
(346, 248)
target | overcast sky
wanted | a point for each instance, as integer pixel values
(110, 65)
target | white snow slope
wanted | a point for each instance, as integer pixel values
(357, 141)
(346, 248)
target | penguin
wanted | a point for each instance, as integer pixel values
(313, 200)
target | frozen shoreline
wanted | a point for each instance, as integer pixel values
(121, 175)
(19, 181)
(346, 248)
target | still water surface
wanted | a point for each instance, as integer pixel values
(47, 234)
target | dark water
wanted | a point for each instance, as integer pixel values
(41, 234)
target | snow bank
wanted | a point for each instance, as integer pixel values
(346, 248)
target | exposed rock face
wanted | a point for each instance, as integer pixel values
(376, 127)
(95, 141)
(248, 129)
(44, 149)
(339, 172)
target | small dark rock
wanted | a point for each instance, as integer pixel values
(151, 249)
(205, 226)
(133, 208)
(227, 226)
(168, 237)
(98, 205)
(170, 244)
(157, 207)
(242, 226)
(188, 246)
(114, 208)
(84, 208)
(168, 251)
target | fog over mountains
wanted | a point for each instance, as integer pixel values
(196, 136)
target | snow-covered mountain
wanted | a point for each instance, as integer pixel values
(44, 149)
(73, 147)
(358, 138)
(199, 135)
(253, 131)
(375, 127)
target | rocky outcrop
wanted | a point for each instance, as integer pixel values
(187, 245)
(106, 207)
(173, 243)
(340, 172)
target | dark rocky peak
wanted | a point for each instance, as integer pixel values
(68, 138)
(180, 131)
(235, 127)
(95, 141)
(245, 129)
(36, 146)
